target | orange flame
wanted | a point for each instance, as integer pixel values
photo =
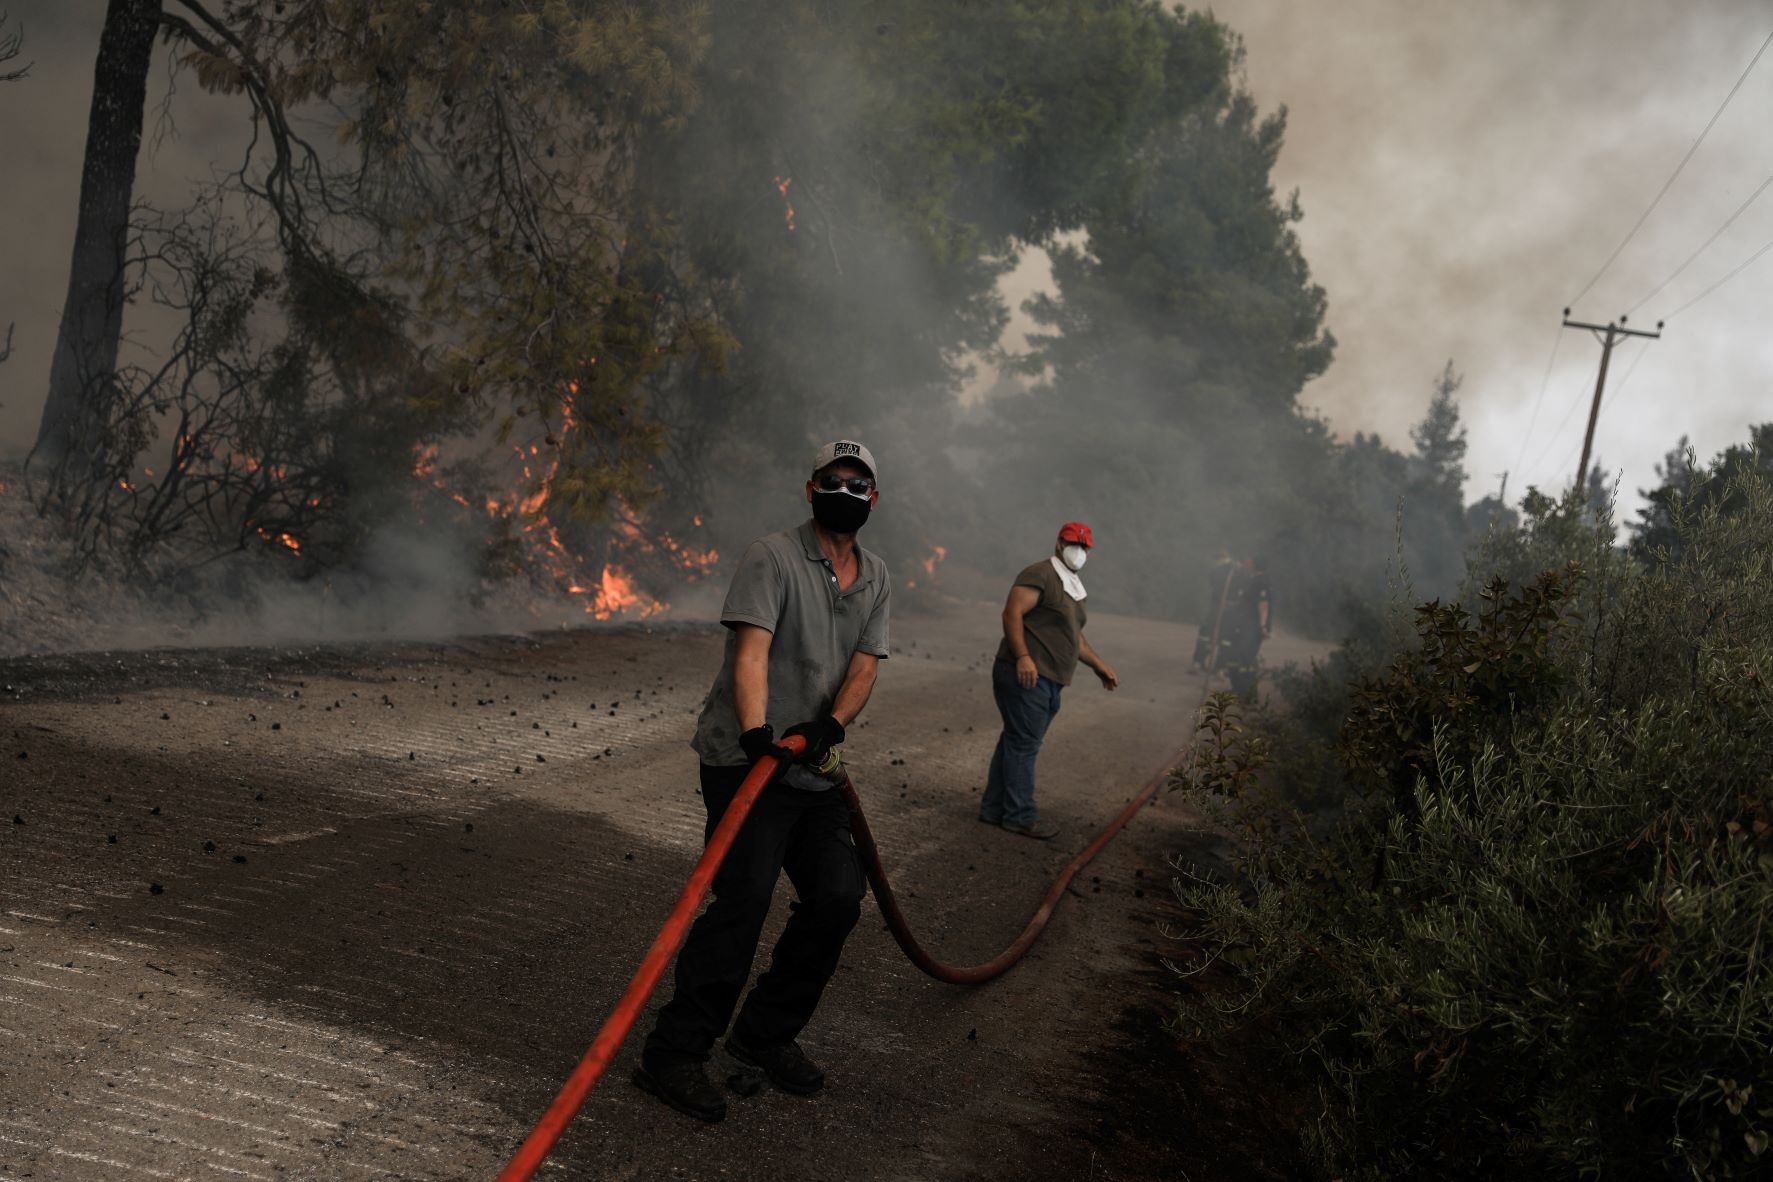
(282, 539)
(782, 183)
(426, 461)
(603, 593)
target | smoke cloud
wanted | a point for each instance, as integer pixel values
(1463, 171)
(1466, 168)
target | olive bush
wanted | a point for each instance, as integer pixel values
(1537, 943)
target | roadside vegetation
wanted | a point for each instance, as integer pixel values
(1520, 926)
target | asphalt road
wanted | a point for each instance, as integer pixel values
(355, 912)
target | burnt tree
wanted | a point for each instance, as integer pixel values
(92, 316)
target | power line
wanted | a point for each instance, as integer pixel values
(1728, 222)
(1631, 369)
(1740, 268)
(1611, 398)
(1556, 431)
(1666, 185)
(1544, 381)
(1609, 335)
(1615, 332)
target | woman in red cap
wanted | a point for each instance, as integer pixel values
(1043, 640)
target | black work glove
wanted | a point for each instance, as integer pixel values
(760, 741)
(821, 735)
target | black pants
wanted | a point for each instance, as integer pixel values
(807, 834)
(1239, 660)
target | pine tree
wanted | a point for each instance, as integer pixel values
(92, 316)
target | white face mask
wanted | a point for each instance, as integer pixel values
(1074, 556)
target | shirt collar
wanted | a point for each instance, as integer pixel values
(809, 541)
(809, 544)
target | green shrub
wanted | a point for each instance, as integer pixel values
(1537, 944)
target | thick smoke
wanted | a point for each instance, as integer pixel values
(1462, 172)
(1465, 170)
(187, 136)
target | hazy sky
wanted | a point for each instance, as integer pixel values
(1464, 169)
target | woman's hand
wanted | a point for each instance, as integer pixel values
(1027, 675)
(1106, 673)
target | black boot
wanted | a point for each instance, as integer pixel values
(784, 1063)
(685, 1087)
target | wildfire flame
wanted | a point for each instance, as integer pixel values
(782, 183)
(929, 564)
(285, 540)
(603, 593)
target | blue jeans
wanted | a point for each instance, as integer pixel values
(1009, 789)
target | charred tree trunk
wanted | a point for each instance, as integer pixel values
(92, 318)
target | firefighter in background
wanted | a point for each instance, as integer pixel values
(1247, 622)
(1217, 590)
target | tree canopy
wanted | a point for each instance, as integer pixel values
(671, 249)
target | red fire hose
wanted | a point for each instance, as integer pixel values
(978, 974)
(540, 1142)
(536, 1147)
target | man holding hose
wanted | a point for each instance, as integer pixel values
(807, 620)
(1043, 640)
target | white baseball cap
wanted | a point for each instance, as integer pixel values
(846, 449)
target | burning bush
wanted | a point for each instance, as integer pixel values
(1539, 947)
(273, 421)
(294, 419)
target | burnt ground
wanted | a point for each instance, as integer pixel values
(356, 912)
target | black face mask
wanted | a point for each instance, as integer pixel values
(839, 512)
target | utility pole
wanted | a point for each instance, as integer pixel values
(1502, 496)
(1614, 332)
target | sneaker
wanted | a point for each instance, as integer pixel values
(1039, 830)
(685, 1087)
(784, 1063)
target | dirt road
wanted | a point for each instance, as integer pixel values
(355, 913)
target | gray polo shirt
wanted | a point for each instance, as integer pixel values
(786, 584)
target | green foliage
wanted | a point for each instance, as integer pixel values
(1540, 948)
(1183, 328)
(694, 240)
(1685, 486)
(1460, 687)
(690, 241)
(482, 196)
(1225, 759)
(850, 191)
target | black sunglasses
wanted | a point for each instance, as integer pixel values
(856, 486)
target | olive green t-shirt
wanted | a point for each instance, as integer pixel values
(1051, 627)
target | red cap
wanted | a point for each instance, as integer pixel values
(1076, 531)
